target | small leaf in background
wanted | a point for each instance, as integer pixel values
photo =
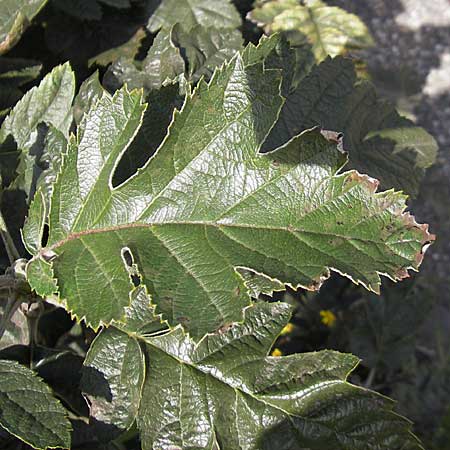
(16, 327)
(207, 13)
(28, 409)
(204, 49)
(50, 103)
(175, 53)
(330, 30)
(15, 17)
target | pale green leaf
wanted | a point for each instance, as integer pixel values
(48, 104)
(207, 13)
(207, 202)
(330, 30)
(15, 16)
(28, 409)
(34, 224)
(226, 393)
(90, 91)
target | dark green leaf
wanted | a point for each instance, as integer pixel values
(379, 141)
(226, 393)
(204, 49)
(28, 409)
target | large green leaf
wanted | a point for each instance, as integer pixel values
(379, 141)
(330, 30)
(28, 409)
(207, 203)
(226, 393)
(15, 16)
(207, 13)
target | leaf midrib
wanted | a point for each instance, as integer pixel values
(80, 234)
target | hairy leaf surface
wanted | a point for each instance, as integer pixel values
(226, 392)
(28, 409)
(207, 203)
(330, 30)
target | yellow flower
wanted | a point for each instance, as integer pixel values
(327, 317)
(277, 352)
(289, 328)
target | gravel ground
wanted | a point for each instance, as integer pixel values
(410, 63)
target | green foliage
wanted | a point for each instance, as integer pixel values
(15, 16)
(207, 13)
(150, 204)
(211, 155)
(330, 30)
(29, 410)
(242, 399)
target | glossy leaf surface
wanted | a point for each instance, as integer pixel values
(48, 104)
(207, 203)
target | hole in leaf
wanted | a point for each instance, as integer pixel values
(130, 266)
